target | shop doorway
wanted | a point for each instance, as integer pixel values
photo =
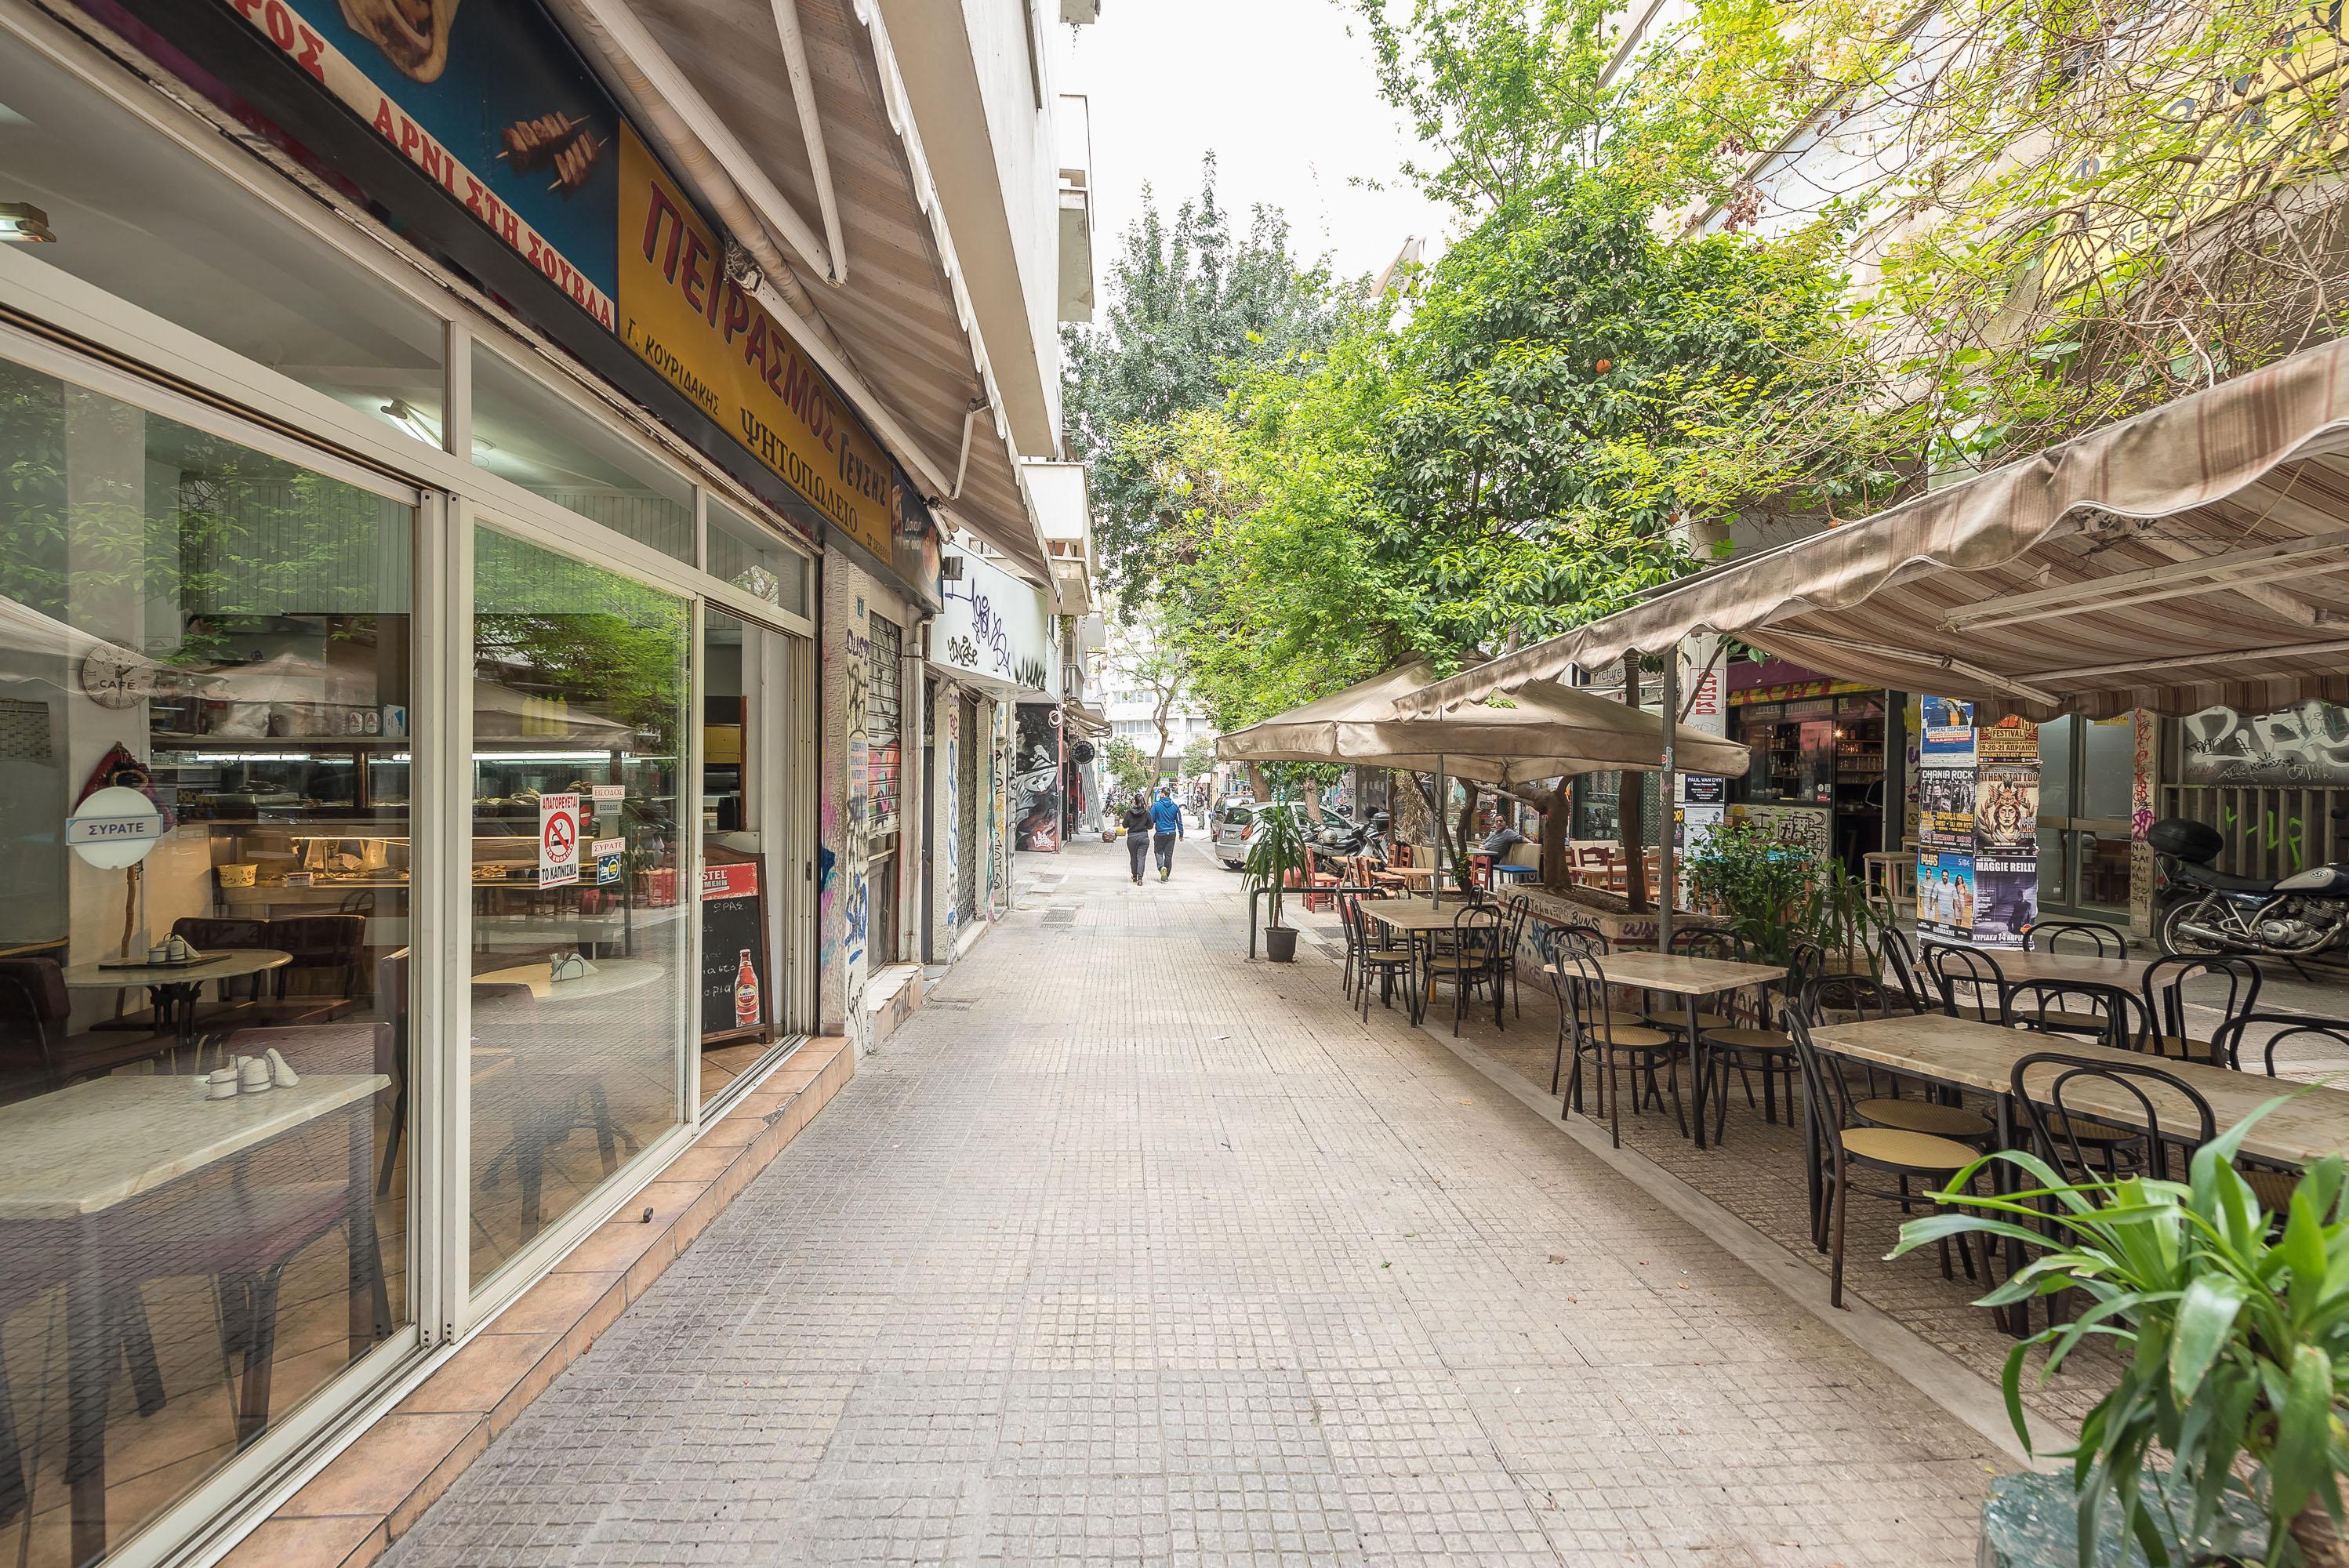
(2086, 771)
(745, 719)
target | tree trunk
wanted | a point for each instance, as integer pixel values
(1556, 874)
(2317, 1538)
(1460, 868)
(1256, 782)
(1630, 813)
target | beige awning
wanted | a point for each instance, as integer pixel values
(2195, 556)
(1540, 731)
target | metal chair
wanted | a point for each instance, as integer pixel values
(1972, 975)
(2081, 1143)
(1760, 1046)
(2163, 990)
(2109, 1014)
(1469, 959)
(1591, 1032)
(1900, 965)
(2229, 1041)
(1515, 912)
(2091, 936)
(1839, 1151)
(1866, 997)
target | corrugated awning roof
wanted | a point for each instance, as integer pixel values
(2195, 556)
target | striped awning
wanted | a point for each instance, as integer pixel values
(2195, 556)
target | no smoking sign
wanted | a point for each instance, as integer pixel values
(558, 840)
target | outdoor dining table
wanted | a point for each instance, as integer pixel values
(2022, 966)
(71, 1157)
(1692, 980)
(172, 987)
(1961, 1053)
(1414, 920)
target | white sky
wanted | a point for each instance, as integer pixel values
(1285, 98)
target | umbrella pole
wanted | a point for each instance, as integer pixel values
(1442, 807)
(1665, 793)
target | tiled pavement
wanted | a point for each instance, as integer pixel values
(1127, 1250)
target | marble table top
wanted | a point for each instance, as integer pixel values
(612, 974)
(1681, 976)
(2018, 965)
(2312, 1124)
(92, 1145)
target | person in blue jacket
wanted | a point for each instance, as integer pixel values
(1167, 818)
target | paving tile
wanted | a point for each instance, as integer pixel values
(1149, 1254)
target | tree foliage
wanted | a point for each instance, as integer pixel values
(1192, 305)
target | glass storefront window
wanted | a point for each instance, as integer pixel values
(752, 559)
(524, 432)
(205, 697)
(149, 223)
(579, 945)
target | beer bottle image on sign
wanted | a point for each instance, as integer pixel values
(746, 993)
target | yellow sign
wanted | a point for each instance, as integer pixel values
(718, 346)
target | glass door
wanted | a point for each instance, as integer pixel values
(2086, 773)
(744, 722)
(581, 955)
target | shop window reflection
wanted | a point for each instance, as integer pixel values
(187, 1252)
(579, 946)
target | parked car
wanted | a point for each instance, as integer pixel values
(1228, 826)
(1336, 838)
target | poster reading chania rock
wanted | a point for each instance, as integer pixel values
(1978, 827)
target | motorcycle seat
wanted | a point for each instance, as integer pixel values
(2223, 882)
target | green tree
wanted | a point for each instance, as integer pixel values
(1128, 768)
(1198, 758)
(1191, 306)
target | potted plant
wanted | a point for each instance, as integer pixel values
(2237, 1330)
(1277, 848)
(1777, 894)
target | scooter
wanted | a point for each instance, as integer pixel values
(2211, 911)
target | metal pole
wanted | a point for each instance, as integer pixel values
(1666, 793)
(1443, 809)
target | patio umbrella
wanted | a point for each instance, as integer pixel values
(1543, 731)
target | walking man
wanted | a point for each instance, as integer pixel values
(1167, 818)
(1137, 832)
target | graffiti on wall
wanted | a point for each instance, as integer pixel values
(854, 822)
(1036, 779)
(2306, 745)
(952, 720)
(998, 845)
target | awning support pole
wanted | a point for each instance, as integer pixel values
(1442, 806)
(1667, 792)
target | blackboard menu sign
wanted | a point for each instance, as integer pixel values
(735, 982)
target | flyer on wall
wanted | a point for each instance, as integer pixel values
(2006, 810)
(1945, 894)
(1949, 734)
(1945, 808)
(2006, 900)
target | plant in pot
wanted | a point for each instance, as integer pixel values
(1778, 895)
(2230, 1410)
(1278, 850)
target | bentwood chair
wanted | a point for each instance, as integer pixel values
(1859, 996)
(2290, 1032)
(2079, 1143)
(1515, 912)
(36, 1054)
(1469, 961)
(2109, 1014)
(2091, 937)
(1762, 1046)
(1900, 971)
(1970, 983)
(2164, 992)
(1602, 1041)
(1842, 1152)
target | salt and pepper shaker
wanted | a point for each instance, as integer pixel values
(253, 1074)
(221, 1084)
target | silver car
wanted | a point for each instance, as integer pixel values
(1231, 823)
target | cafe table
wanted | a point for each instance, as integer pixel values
(1692, 980)
(1414, 920)
(173, 986)
(71, 1158)
(1961, 1053)
(2021, 966)
(612, 975)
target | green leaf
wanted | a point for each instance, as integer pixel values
(2303, 1433)
(2206, 1315)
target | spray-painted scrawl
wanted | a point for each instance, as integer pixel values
(1036, 779)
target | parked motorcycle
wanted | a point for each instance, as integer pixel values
(2211, 911)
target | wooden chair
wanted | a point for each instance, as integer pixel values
(36, 1054)
(2164, 992)
(1841, 1151)
(1602, 1040)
